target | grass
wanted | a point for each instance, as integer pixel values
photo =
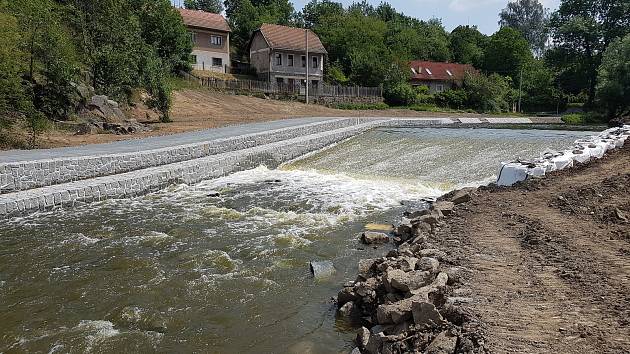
(590, 118)
(178, 83)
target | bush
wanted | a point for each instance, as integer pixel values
(584, 118)
(488, 93)
(400, 94)
(575, 118)
(452, 99)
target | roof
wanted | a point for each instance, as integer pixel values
(204, 20)
(291, 38)
(429, 70)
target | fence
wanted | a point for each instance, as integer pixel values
(319, 90)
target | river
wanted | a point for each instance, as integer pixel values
(222, 266)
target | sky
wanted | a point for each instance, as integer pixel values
(482, 13)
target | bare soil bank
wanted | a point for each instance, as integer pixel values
(203, 109)
(549, 259)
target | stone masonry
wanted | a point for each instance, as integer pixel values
(45, 184)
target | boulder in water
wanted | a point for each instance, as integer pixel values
(322, 270)
(370, 237)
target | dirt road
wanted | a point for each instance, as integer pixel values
(550, 260)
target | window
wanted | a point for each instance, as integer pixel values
(315, 62)
(193, 59)
(413, 71)
(315, 83)
(291, 82)
(280, 80)
(303, 61)
(439, 88)
(279, 59)
(419, 70)
(216, 40)
(193, 37)
(290, 60)
(428, 71)
(217, 62)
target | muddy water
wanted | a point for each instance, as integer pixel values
(186, 270)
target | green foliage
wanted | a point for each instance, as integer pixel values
(13, 95)
(468, 45)
(575, 118)
(539, 89)
(334, 74)
(48, 47)
(400, 94)
(360, 106)
(245, 16)
(583, 118)
(507, 52)
(423, 95)
(530, 18)
(582, 30)
(488, 93)
(456, 99)
(364, 41)
(214, 6)
(613, 88)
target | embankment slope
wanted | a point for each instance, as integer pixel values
(550, 259)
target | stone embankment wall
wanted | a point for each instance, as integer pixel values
(331, 100)
(34, 174)
(192, 171)
(42, 184)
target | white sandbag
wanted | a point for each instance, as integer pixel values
(581, 155)
(512, 173)
(563, 161)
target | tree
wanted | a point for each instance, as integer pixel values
(506, 53)
(581, 31)
(468, 45)
(613, 87)
(13, 96)
(315, 11)
(529, 17)
(214, 6)
(488, 93)
(245, 16)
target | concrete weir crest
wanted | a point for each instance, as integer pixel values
(67, 176)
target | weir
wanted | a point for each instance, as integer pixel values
(229, 256)
(79, 175)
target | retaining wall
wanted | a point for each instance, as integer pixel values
(192, 171)
(34, 174)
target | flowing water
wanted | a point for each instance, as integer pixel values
(185, 270)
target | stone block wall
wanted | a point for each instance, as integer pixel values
(331, 100)
(35, 174)
(151, 179)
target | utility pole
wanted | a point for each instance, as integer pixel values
(307, 62)
(520, 91)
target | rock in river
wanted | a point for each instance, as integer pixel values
(370, 237)
(323, 269)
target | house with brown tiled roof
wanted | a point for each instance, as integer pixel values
(437, 76)
(278, 53)
(210, 34)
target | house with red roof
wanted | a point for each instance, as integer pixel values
(210, 34)
(279, 55)
(437, 76)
